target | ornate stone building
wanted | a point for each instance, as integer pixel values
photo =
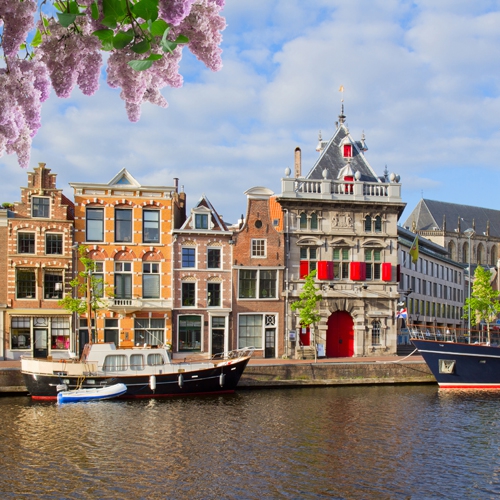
(341, 221)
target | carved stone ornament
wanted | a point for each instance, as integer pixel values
(342, 219)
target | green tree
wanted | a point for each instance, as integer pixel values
(484, 304)
(87, 292)
(307, 305)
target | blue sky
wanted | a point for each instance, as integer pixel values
(421, 79)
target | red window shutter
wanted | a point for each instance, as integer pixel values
(322, 270)
(358, 271)
(304, 269)
(329, 268)
(347, 150)
(386, 271)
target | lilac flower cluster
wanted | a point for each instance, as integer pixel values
(69, 53)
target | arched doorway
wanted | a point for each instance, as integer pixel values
(340, 335)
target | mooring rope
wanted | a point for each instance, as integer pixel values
(399, 360)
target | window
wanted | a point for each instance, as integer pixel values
(111, 331)
(314, 221)
(378, 224)
(155, 359)
(25, 242)
(265, 281)
(53, 283)
(368, 224)
(372, 259)
(188, 257)
(53, 244)
(150, 280)
(188, 294)
(250, 330)
(151, 226)
(25, 283)
(123, 280)
(137, 362)
(123, 225)
(115, 363)
(95, 224)
(347, 150)
(340, 263)
(59, 333)
(376, 333)
(213, 258)
(309, 255)
(258, 248)
(98, 278)
(149, 331)
(201, 221)
(40, 207)
(303, 221)
(190, 333)
(213, 295)
(20, 333)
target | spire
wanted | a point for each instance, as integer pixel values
(342, 116)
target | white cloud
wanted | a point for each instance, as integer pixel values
(421, 80)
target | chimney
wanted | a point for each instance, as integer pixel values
(298, 163)
(176, 184)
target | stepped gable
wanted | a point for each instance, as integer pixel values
(429, 215)
(333, 160)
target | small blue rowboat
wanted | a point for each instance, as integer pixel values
(92, 394)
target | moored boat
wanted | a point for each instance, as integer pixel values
(93, 394)
(146, 371)
(459, 362)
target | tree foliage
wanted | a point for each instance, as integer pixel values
(307, 305)
(59, 44)
(87, 291)
(484, 303)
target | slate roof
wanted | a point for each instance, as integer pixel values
(332, 159)
(428, 215)
(217, 223)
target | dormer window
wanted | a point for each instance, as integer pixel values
(40, 207)
(201, 221)
(347, 150)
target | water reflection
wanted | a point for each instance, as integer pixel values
(366, 442)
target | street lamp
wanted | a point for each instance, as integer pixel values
(469, 233)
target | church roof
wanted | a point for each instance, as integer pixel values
(333, 161)
(429, 215)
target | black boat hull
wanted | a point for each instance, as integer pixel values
(457, 365)
(216, 380)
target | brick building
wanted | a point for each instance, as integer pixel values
(202, 256)
(127, 230)
(258, 275)
(39, 268)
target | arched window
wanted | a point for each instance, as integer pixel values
(465, 253)
(451, 250)
(493, 256)
(303, 221)
(368, 223)
(480, 254)
(314, 221)
(376, 333)
(378, 224)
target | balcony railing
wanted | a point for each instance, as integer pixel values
(138, 304)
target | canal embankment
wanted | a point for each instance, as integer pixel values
(269, 373)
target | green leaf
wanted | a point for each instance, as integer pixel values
(122, 39)
(141, 47)
(140, 65)
(168, 46)
(158, 27)
(66, 20)
(144, 63)
(182, 39)
(37, 39)
(95, 11)
(73, 8)
(146, 9)
(106, 37)
(112, 9)
(110, 22)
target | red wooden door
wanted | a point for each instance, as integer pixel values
(340, 335)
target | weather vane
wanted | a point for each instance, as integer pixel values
(341, 89)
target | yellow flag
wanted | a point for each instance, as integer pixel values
(341, 89)
(414, 250)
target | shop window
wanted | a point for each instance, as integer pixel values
(190, 333)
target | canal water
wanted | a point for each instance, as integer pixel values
(313, 443)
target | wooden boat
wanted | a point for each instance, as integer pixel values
(94, 394)
(460, 362)
(147, 372)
